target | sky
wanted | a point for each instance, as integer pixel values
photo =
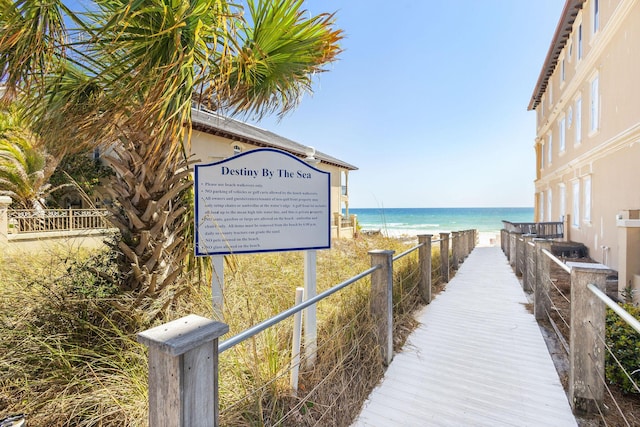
(429, 100)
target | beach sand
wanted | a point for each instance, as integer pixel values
(485, 238)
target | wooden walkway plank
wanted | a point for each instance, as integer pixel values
(478, 358)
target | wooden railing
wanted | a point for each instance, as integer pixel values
(30, 221)
(571, 298)
(192, 388)
(547, 230)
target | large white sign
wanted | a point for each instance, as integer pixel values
(259, 201)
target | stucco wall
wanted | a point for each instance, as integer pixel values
(608, 156)
(210, 148)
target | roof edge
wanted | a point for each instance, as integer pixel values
(559, 40)
(202, 124)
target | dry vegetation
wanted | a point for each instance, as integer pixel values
(70, 358)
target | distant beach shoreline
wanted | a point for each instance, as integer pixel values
(485, 238)
(407, 223)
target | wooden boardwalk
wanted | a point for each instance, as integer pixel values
(478, 358)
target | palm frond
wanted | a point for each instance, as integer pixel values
(277, 53)
(31, 36)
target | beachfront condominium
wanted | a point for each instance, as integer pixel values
(587, 145)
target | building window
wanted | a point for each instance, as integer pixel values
(575, 212)
(549, 204)
(562, 74)
(550, 149)
(541, 205)
(569, 117)
(562, 195)
(594, 111)
(570, 49)
(587, 198)
(578, 132)
(237, 149)
(579, 42)
(562, 130)
(596, 16)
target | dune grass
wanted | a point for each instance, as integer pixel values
(69, 354)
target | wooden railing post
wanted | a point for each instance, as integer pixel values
(455, 249)
(541, 303)
(337, 219)
(472, 242)
(424, 254)
(519, 268)
(354, 224)
(444, 257)
(382, 301)
(513, 247)
(464, 249)
(183, 372)
(587, 350)
(504, 242)
(464, 244)
(529, 254)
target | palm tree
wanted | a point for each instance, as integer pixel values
(127, 76)
(24, 166)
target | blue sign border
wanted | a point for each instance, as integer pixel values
(198, 252)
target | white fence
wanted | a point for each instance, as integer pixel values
(30, 221)
(26, 224)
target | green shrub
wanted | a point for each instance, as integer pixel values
(624, 343)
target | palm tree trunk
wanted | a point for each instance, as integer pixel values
(152, 208)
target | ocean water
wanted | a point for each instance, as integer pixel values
(414, 221)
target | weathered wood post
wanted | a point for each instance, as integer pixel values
(504, 242)
(467, 243)
(337, 219)
(444, 257)
(586, 347)
(513, 247)
(529, 263)
(183, 372)
(472, 240)
(455, 249)
(519, 255)
(382, 301)
(424, 254)
(541, 303)
(464, 244)
(354, 224)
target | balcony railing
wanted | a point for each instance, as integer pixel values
(548, 230)
(30, 221)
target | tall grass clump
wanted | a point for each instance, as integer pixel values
(70, 357)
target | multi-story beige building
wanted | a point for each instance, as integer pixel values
(587, 101)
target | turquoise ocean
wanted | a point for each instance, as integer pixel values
(414, 221)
